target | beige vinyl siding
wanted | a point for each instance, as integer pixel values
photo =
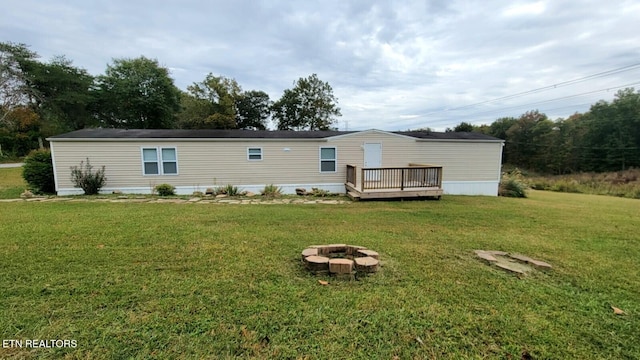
(200, 162)
(206, 162)
(394, 148)
(461, 160)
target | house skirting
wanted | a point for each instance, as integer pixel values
(488, 188)
(289, 189)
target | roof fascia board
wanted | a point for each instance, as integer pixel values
(185, 139)
(460, 140)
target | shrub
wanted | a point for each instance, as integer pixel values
(512, 188)
(84, 177)
(570, 186)
(229, 190)
(513, 185)
(320, 192)
(271, 191)
(38, 172)
(165, 189)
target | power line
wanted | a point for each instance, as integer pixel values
(496, 111)
(555, 86)
(566, 97)
(544, 88)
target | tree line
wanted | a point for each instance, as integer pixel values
(605, 138)
(40, 99)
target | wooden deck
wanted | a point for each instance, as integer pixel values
(412, 181)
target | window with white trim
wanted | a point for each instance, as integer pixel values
(159, 161)
(254, 154)
(328, 159)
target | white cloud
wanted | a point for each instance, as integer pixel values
(525, 9)
(392, 65)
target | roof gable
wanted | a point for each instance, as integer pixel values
(370, 131)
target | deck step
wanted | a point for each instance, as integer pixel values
(353, 195)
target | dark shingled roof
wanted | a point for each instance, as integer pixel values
(249, 134)
(194, 134)
(446, 135)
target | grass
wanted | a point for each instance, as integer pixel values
(6, 159)
(622, 183)
(225, 281)
(11, 183)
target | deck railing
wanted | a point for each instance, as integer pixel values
(351, 175)
(410, 177)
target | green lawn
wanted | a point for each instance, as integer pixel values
(221, 281)
(11, 183)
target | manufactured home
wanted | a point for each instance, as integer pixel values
(370, 163)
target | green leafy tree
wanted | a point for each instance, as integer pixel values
(499, 127)
(16, 60)
(253, 110)
(64, 98)
(519, 137)
(567, 145)
(20, 131)
(310, 105)
(210, 104)
(613, 134)
(463, 127)
(137, 93)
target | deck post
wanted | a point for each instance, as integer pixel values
(362, 179)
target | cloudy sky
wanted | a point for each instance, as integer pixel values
(394, 65)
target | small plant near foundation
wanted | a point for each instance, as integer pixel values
(271, 191)
(228, 190)
(320, 192)
(85, 178)
(165, 190)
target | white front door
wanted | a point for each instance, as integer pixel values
(372, 159)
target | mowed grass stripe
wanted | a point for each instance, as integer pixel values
(197, 281)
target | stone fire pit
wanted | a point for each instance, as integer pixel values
(340, 259)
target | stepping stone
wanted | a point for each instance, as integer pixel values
(309, 252)
(366, 264)
(340, 266)
(528, 260)
(540, 264)
(510, 267)
(371, 253)
(520, 257)
(496, 252)
(317, 263)
(485, 255)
